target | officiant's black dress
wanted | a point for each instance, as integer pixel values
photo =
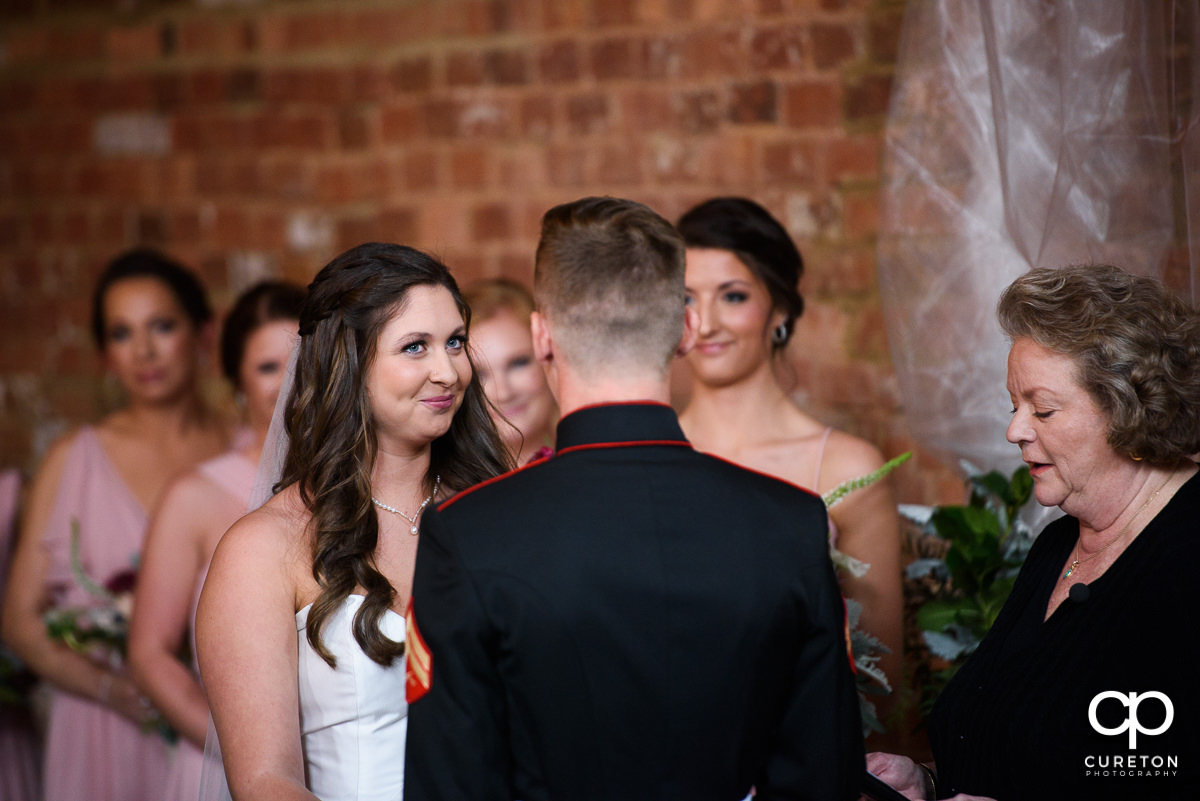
(1014, 722)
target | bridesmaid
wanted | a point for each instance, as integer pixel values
(20, 752)
(152, 322)
(195, 511)
(523, 407)
(742, 275)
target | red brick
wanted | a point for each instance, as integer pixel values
(833, 45)
(521, 171)
(298, 130)
(567, 165)
(365, 84)
(169, 90)
(465, 68)
(399, 122)
(74, 44)
(381, 27)
(206, 87)
(699, 111)
(860, 214)
(564, 14)
(778, 47)
(134, 43)
(355, 130)
(854, 158)
(354, 231)
(640, 59)
(491, 221)
(588, 114)
(868, 96)
(398, 224)
(321, 86)
(344, 181)
(754, 103)
(558, 62)
(441, 117)
(442, 222)
(647, 110)
(245, 84)
(288, 178)
(209, 36)
(419, 170)
(506, 67)
(883, 34)
(610, 13)
(812, 104)
(538, 116)
(487, 118)
(790, 162)
(709, 51)
(231, 229)
(621, 165)
(413, 75)
(313, 31)
(469, 168)
(869, 341)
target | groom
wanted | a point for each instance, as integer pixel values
(628, 619)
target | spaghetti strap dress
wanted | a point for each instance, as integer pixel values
(92, 752)
(233, 474)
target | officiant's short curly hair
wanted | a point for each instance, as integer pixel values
(1135, 344)
(609, 275)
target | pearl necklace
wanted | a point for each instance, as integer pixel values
(1078, 543)
(437, 482)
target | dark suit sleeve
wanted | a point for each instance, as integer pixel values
(456, 730)
(817, 753)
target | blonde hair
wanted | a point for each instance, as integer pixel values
(492, 296)
(610, 275)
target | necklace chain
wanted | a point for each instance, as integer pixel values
(1079, 543)
(437, 482)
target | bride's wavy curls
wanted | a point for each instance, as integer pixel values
(332, 439)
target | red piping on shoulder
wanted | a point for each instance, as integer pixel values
(491, 480)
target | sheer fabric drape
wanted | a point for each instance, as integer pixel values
(1027, 133)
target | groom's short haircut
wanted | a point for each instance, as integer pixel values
(610, 279)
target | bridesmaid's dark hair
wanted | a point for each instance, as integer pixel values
(760, 242)
(332, 436)
(149, 263)
(266, 302)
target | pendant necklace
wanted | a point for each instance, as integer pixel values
(1077, 562)
(437, 482)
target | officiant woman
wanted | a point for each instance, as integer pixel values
(1085, 686)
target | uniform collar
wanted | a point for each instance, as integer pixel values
(608, 424)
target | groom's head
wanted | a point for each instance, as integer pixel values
(609, 284)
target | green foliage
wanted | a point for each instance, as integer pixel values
(984, 544)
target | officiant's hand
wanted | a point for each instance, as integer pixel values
(907, 777)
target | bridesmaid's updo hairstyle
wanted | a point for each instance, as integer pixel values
(332, 437)
(148, 263)
(263, 303)
(748, 231)
(1135, 345)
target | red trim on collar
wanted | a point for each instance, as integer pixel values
(492, 480)
(603, 404)
(761, 473)
(631, 444)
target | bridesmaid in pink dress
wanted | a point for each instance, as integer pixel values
(191, 517)
(20, 754)
(152, 323)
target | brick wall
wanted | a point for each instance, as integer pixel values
(262, 138)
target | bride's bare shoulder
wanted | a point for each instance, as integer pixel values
(269, 538)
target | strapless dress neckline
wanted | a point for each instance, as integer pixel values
(353, 717)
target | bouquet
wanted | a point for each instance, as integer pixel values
(865, 648)
(101, 632)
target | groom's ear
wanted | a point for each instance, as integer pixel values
(543, 338)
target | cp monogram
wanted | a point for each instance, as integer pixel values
(1131, 723)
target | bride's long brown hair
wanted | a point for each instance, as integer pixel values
(332, 437)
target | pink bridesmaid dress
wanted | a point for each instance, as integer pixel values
(92, 753)
(234, 474)
(20, 752)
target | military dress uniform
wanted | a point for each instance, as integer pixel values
(629, 619)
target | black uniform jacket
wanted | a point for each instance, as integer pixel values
(629, 619)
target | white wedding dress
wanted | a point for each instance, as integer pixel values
(353, 719)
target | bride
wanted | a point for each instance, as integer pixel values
(300, 634)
